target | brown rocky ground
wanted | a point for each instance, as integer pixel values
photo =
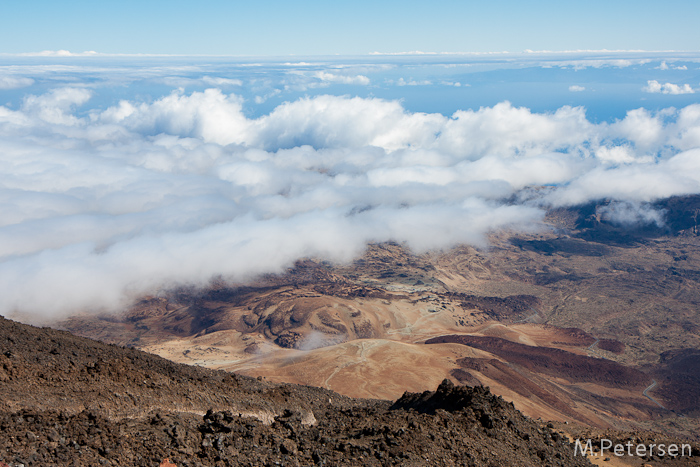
(71, 401)
(607, 316)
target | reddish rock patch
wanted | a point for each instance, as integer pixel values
(553, 362)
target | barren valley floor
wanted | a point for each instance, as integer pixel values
(583, 322)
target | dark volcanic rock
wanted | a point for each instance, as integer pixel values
(552, 361)
(72, 401)
(679, 376)
(450, 398)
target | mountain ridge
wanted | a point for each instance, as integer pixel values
(212, 418)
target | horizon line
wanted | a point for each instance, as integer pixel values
(526, 52)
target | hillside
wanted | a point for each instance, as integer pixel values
(73, 401)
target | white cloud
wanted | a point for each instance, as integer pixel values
(642, 182)
(343, 79)
(61, 53)
(513, 131)
(302, 80)
(654, 86)
(56, 106)
(209, 115)
(13, 82)
(630, 213)
(100, 205)
(329, 121)
(216, 81)
(582, 64)
(413, 82)
(263, 98)
(665, 66)
(576, 88)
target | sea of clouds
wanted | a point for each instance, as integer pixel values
(104, 204)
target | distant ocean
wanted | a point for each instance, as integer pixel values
(606, 84)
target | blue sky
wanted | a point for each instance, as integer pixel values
(343, 27)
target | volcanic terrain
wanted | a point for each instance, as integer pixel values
(67, 400)
(589, 326)
(583, 321)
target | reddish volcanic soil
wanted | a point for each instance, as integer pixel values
(554, 362)
(584, 322)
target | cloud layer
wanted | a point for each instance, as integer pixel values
(101, 205)
(654, 86)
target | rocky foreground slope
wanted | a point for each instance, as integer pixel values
(73, 401)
